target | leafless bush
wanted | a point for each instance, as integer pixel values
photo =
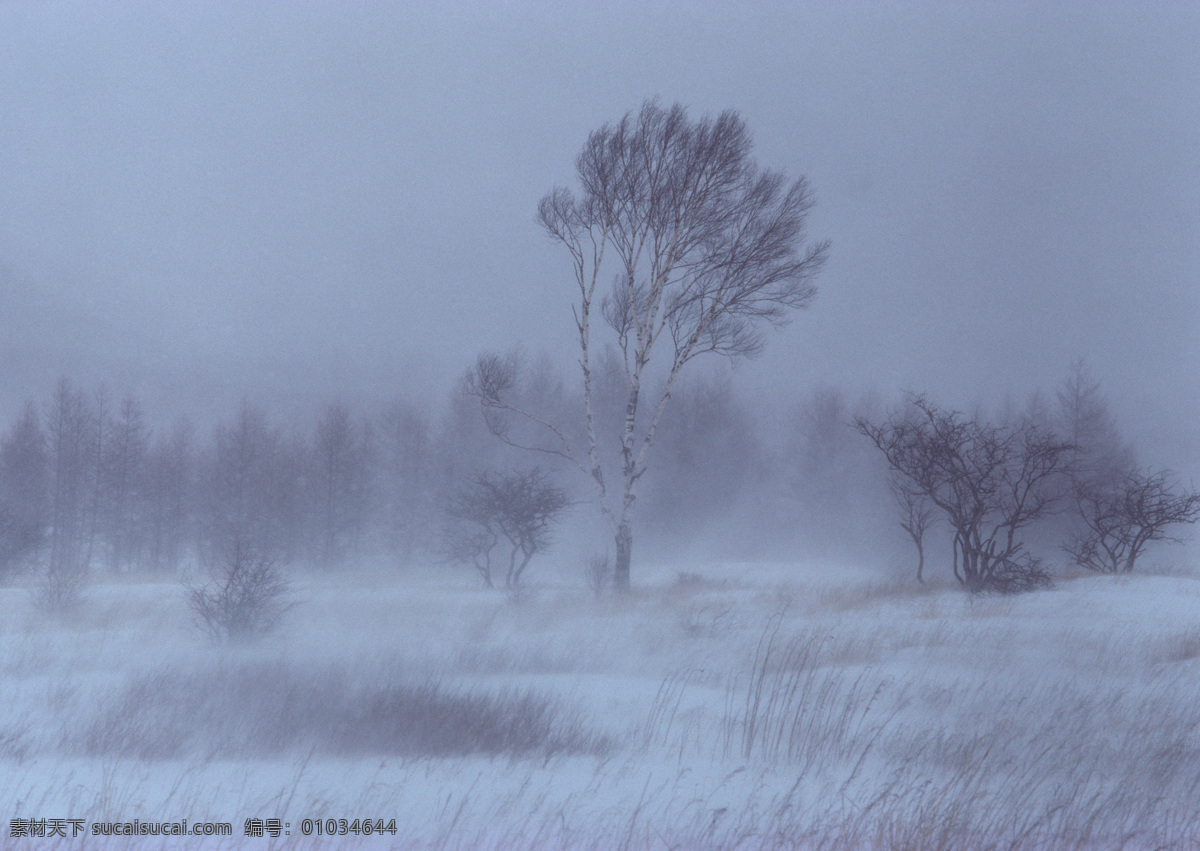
(1120, 518)
(1017, 575)
(60, 590)
(247, 597)
(519, 508)
(599, 573)
(990, 482)
(916, 516)
(463, 542)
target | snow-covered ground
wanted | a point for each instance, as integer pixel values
(717, 706)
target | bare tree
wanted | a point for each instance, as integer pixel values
(1120, 520)
(407, 480)
(705, 248)
(1101, 457)
(338, 483)
(916, 515)
(465, 541)
(24, 505)
(68, 429)
(519, 508)
(170, 496)
(991, 481)
(123, 472)
(251, 487)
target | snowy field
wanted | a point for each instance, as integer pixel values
(718, 706)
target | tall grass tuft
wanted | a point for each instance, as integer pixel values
(798, 710)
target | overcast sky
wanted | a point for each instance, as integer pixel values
(299, 200)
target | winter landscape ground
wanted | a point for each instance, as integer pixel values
(716, 706)
(750, 315)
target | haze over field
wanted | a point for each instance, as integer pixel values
(280, 323)
(300, 201)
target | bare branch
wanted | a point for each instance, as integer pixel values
(493, 381)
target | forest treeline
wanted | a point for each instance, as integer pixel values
(90, 483)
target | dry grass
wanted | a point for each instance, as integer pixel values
(799, 709)
(681, 717)
(269, 709)
(1181, 647)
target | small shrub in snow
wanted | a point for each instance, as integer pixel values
(1017, 575)
(60, 590)
(247, 597)
(687, 579)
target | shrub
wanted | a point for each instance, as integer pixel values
(60, 589)
(988, 480)
(519, 508)
(247, 597)
(1119, 519)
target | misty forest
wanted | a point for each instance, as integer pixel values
(397, 455)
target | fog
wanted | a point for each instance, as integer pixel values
(300, 201)
(261, 510)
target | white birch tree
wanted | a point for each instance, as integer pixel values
(703, 249)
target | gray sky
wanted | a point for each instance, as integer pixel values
(305, 199)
